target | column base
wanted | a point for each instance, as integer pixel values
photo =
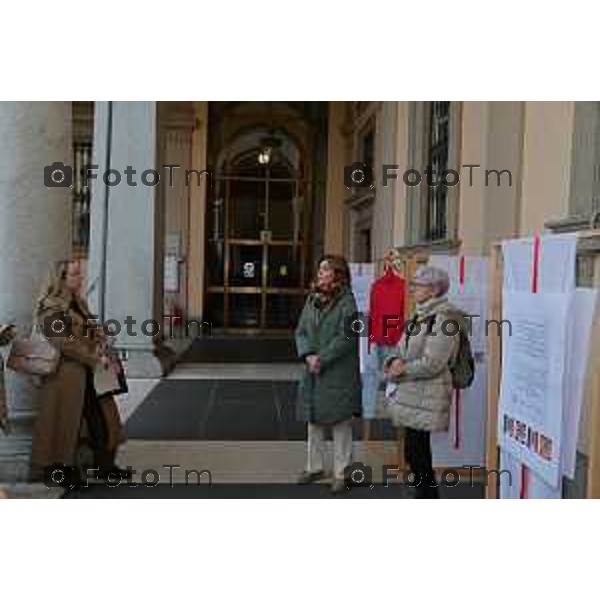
(15, 448)
(14, 459)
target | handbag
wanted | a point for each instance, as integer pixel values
(110, 381)
(34, 355)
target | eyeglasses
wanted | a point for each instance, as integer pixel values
(413, 286)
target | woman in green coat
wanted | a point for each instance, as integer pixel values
(329, 393)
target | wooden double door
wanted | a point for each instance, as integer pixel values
(257, 252)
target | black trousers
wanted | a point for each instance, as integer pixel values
(417, 453)
(96, 426)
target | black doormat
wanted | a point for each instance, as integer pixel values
(251, 491)
(223, 349)
(227, 410)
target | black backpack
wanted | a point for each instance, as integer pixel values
(462, 368)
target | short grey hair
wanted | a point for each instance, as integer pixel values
(434, 277)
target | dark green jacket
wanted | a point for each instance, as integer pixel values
(334, 394)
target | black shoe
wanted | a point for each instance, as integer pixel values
(307, 477)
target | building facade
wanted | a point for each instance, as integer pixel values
(250, 194)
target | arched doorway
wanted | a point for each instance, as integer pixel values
(258, 238)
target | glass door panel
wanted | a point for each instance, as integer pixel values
(283, 266)
(214, 310)
(245, 265)
(246, 210)
(215, 263)
(255, 253)
(245, 310)
(215, 248)
(285, 211)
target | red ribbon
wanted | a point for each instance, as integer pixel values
(524, 483)
(536, 264)
(456, 419)
(461, 284)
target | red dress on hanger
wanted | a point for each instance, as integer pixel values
(387, 310)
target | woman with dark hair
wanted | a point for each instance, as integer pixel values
(330, 389)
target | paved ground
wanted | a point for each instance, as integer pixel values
(274, 491)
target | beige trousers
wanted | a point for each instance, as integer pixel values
(342, 447)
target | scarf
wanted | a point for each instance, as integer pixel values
(322, 301)
(429, 307)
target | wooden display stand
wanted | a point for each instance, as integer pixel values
(494, 348)
(494, 344)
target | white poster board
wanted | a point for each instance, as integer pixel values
(464, 442)
(581, 320)
(171, 274)
(556, 273)
(471, 435)
(363, 275)
(557, 258)
(530, 411)
(583, 306)
(511, 484)
(469, 292)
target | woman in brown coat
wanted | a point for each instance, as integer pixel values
(68, 396)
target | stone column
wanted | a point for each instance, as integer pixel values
(196, 235)
(547, 172)
(385, 200)
(402, 157)
(584, 185)
(492, 137)
(126, 247)
(35, 230)
(337, 192)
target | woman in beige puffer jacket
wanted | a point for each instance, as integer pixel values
(420, 389)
